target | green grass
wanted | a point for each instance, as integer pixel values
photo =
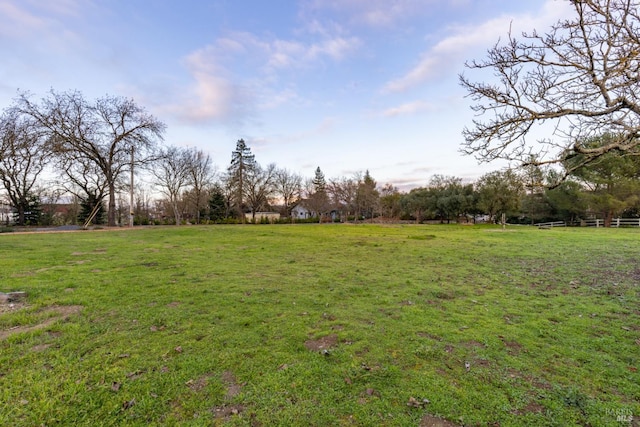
(223, 325)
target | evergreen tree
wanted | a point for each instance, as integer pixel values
(318, 200)
(217, 206)
(30, 209)
(319, 182)
(612, 178)
(367, 197)
(87, 205)
(242, 163)
(390, 197)
(500, 192)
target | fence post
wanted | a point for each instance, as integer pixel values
(617, 222)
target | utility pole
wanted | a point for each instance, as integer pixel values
(131, 192)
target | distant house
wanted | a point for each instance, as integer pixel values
(301, 211)
(60, 213)
(6, 215)
(260, 216)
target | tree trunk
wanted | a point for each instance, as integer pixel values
(176, 215)
(111, 219)
(21, 220)
(608, 216)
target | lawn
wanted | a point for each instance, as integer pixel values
(321, 325)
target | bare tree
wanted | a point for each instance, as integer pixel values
(228, 191)
(84, 180)
(171, 172)
(143, 204)
(201, 177)
(24, 154)
(580, 78)
(343, 194)
(102, 133)
(288, 186)
(259, 188)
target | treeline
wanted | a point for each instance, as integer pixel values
(65, 160)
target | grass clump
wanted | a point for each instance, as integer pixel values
(321, 325)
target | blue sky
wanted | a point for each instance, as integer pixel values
(347, 85)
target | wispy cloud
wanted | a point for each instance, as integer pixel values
(221, 88)
(72, 8)
(282, 54)
(213, 95)
(16, 21)
(376, 13)
(407, 109)
(325, 126)
(275, 98)
(34, 20)
(411, 179)
(451, 51)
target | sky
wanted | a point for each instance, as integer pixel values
(344, 85)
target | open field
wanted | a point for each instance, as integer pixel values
(321, 325)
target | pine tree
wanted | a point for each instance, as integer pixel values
(217, 207)
(242, 163)
(319, 182)
(87, 205)
(31, 211)
(367, 197)
(318, 200)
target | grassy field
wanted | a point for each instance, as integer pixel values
(322, 325)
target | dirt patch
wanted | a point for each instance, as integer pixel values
(11, 307)
(199, 384)
(233, 387)
(533, 407)
(530, 408)
(428, 335)
(535, 382)
(226, 412)
(432, 421)
(482, 363)
(513, 347)
(40, 347)
(473, 344)
(61, 312)
(324, 343)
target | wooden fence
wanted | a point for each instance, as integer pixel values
(545, 225)
(615, 222)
